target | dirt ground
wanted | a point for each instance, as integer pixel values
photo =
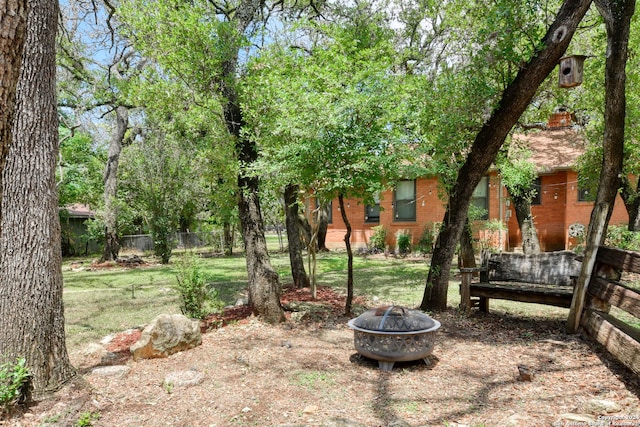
(306, 372)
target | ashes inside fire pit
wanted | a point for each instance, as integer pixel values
(394, 334)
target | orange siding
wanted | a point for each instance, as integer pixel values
(559, 209)
(429, 209)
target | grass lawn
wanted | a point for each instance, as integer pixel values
(105, 301)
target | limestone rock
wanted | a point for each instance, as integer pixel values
(515, 420)
(311, 409)
(165, 335)
(578, 418)
(94, 349)
(111, 371)
(602, 406)
(184, 378)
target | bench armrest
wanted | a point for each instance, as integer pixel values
(465, 286)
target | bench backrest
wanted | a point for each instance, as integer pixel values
(553, 268)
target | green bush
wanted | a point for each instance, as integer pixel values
(427, 238)
(161, 228)
(620, 237)
(196, 297)
(403, 240)
(13, 378)
(86, 419)
(377, 242)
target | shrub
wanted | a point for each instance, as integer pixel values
(403, 240)
(13, 378)
(161, 228)
(620, 237)
(427, 238)
(197, 298)
(86, 419)
(377, 242)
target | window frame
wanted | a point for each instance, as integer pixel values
(328, 210)
(584, 194)
(474, 198)
(375, 207)
(405, 202)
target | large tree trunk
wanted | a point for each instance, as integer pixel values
(631, 198)
(347, 242)
(300, 278)
(31, 307)
(13, 20)
(264, 284)
(617, 17)
(490, 138)
(111, 245)
(467, 257)
(530, 241)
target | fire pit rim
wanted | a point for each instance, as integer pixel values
(436, 326)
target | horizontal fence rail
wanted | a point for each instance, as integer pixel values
(605, 290)
(186, 240)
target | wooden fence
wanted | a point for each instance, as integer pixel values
(605, 290)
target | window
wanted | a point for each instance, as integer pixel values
(404, 206)
(328, 210)
(537, 197)
(480, 198)
(372, 212)
(585, 194)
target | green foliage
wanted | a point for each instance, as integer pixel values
(517, 171)
(87, 419)
(403, 240)
(327, 120)
(186, 38)
(192, 49)
(162, 227)
(428, 237)
(95, 231)
(476, 213)
(313, 379)
(620, 237)
(157, 180)
(197, 298)
(588, 103)
(377, 241)
(13, 378)
(494, 225)
(79, 173)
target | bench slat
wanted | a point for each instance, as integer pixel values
(545, 278)
(524, 292)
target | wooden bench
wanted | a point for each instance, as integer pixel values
(615, 330)
(545, 278)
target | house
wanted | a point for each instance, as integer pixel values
(561, 204)
(75, 239)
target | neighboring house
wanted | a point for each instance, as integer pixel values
(74, 230)
(561, 203)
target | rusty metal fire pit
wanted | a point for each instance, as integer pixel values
(394, 334)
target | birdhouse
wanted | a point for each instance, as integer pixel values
(571, 68)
